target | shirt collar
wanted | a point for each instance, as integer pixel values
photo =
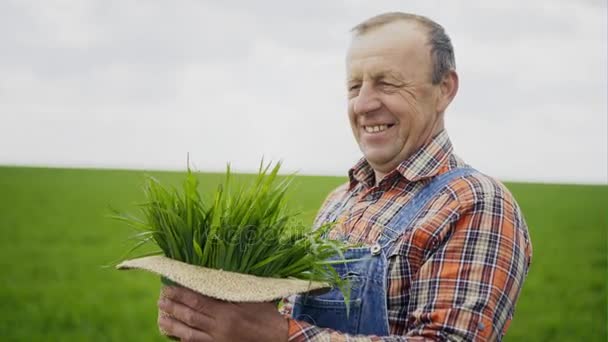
(424, 163)
(362, 172)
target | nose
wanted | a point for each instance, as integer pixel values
(367, 100)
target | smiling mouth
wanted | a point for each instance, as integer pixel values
(377, 128)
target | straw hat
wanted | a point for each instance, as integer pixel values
(224, 285)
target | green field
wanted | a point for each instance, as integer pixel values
(55, 240)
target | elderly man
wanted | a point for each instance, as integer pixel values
(446, 249)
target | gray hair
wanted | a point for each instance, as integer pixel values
(442, 51)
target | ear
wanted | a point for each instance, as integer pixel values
(448, 87)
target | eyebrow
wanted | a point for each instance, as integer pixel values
(382, 74)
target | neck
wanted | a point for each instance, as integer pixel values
(438, 127)
(378, 176)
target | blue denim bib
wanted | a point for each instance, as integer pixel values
(368, 308)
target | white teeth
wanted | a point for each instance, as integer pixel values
(375, 129)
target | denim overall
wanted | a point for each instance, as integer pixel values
(368, 308)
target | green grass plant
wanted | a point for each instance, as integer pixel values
(244, 228)
(56, 237)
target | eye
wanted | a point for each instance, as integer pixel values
(387, 84)
(354, 87)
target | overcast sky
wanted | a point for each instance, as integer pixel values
(139, 84)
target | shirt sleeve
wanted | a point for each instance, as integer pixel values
(467, 287)
(330, 204)
(304, 332)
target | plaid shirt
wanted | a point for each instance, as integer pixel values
(457, 273)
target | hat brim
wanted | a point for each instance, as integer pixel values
(219, 284)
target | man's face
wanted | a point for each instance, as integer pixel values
(392, 103)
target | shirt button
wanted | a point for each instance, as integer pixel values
(374, 196)
(480, 326)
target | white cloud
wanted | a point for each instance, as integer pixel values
(140, 84)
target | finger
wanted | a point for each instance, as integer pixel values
(186, 314)
(181, 331)
(189, 298)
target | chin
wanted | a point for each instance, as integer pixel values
(377, 158)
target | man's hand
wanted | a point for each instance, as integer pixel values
(195, 317)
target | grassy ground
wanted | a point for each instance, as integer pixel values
(55, 240)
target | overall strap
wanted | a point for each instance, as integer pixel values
(404, 217)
